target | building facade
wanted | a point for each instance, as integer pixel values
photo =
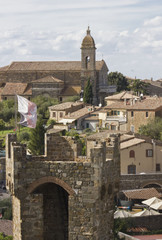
(139, 155)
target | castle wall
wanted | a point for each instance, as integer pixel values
(90, 183)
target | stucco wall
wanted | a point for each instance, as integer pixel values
(141, 161)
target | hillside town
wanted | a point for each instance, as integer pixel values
(91, 166)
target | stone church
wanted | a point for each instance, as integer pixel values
(58, 79)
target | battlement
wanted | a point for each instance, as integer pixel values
(84, 185)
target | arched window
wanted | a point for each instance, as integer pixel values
(87, 61)
(132, 169)
(132, 154)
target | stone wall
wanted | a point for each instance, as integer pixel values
(149, 222)
(69, 77)
(138, 119)
(90, 184)
(136, 181)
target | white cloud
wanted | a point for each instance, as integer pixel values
(154, 21)
(124, 33)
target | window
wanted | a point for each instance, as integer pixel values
(132, 154)
(157, 167)
(54, 114)
(60, 99)
(113, 127)
(87, 125)
(132, 114)
(149, 153)
(131, 169)
(147, 114)
(132, 128)
(61, 114)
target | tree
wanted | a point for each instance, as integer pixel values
(118, 79)
(139, 87)
(2, 124)
(88, 94)
(43, 103)
(36, 142)
(153, 129)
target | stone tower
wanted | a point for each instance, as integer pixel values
(61, 196)
(88, 63)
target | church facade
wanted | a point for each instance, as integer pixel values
(58, 79)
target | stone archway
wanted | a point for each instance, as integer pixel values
(152, 185)
(54, 194)
(50, 179)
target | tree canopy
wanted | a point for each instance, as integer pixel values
(153, 129)
(88, 95)
(36, 142)
(137, 86)
(118, 79)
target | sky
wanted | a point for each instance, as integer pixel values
(127, 33)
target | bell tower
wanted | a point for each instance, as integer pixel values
(88, 63)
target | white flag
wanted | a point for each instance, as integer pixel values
(28, 111)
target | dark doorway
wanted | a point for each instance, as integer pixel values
(55, 211)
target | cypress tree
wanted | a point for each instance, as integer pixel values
(88, 95)
(36, 143)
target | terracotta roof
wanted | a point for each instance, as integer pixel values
(48, 66)
(92, 118)
(145, 104)
(144, 193)
(116, 96)
(6, 227)
(17, 88)
(71, 91)
(79, 113)
(131, 142)
(155, 83)
(48, 79)
(64, 106)
(126, 137)
(103, 135)
(123, 95)
(3, 68)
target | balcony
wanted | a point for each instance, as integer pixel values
(116, 118)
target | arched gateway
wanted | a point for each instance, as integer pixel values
(55, 194)
(60, 196)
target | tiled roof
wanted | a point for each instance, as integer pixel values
(16, 88)
(145, 104)
(71, 91)
(155, 83)
(129, 96)
(144, 193)
(78, 114)
(48, 79)
(116, 96)
(63, 106)
(126, 137)
(6, 227)
(103, 135)
(48, 66)
(123, 95)
(131, 142)
(3, 68)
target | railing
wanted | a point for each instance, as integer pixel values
(116, 118)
